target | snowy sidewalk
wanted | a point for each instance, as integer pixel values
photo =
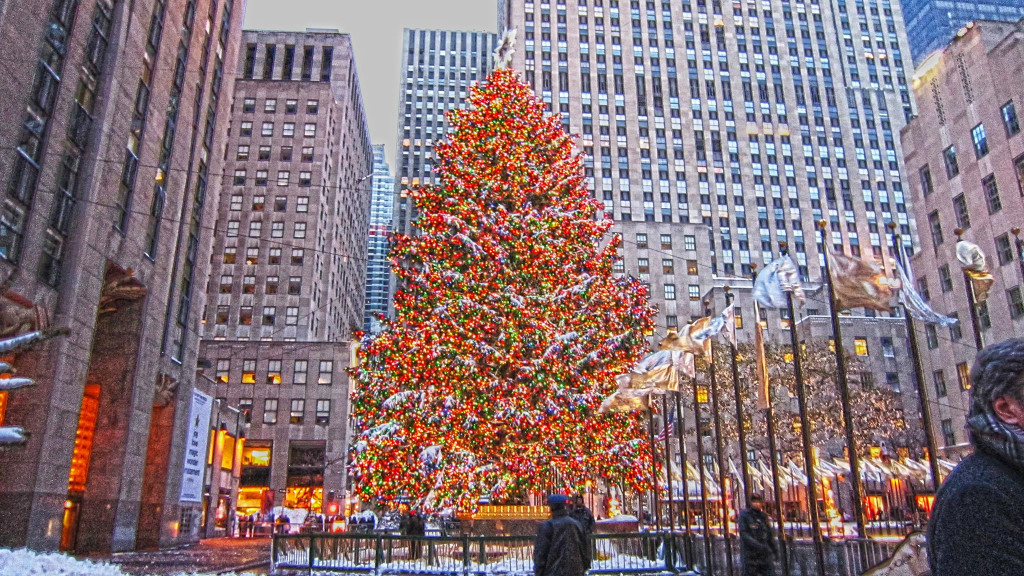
(213, 555)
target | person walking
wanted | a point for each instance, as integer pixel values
(583, 515)
(758, 548)
(561, 547)
(977, 524)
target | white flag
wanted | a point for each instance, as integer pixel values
(777, 278)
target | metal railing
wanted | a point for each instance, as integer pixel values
(639, 553)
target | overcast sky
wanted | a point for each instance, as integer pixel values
(376, 28)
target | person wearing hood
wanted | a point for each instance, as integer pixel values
(561, 548)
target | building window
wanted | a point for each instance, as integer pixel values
(225, 283)
(298, 256)
(249, 371)
(295, 416)
(291, 106)
(286, 154)
(249, 105)
(931, 336)
(984, 320)
(667, 266)
(305, 179)
(980, 140)
(860, 346)
(671, 321)
(236, 202)
(270, 105)
(273, 371)
(963, 375)
(299, 371)
(1004, 250)
(270, 411)
(291, 317)
(239, 178)
(248, 284)
(691, 267)
(223, 370)
(269, 315)
(263, 154)
(949, 158)
(693, 291)
(666, 241)
(245, 316)
(280, 203)
(1016, 301)
(268, 129)
(323, 412)
(643, 266)
(255, 229)
(326, 372)
(690, 242)
(892, 380)
(245, 407)
(245, 129)
(283, 176)
(963, 217)
(289, 129)
(936, 228)
(309, 130)
(258, 202)
(925, 175)
(294, 285)
(1010, 121)
(300, 230)
(307, 154)
(232, 228)
(222, 314)
(277, 229)
(947, 432)
(242, 153)
(261, 178)
(939, 379)
(302, 204)
(988, 184)
(252, 255)
(312, 106)
(888, 350)
(275, 256)
(945, 278)
(670, 291)
(922, 289)
(955, 330)
(641, 240)
(270, 287)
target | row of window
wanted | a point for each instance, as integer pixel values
(280, 203)
(979, 138)
(263, 155)
(269, 317)
(291, 106)
(287, 129)
(689, 241)
(271, 284)
(276, 229)
(296, 411)
(300, 371)
(252, 256)
(288, 65)
(1014, 302)
(262, 178)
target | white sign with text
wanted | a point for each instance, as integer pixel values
(195, 447)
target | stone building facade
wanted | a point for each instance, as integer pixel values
(289, 264)
(931, 24)
(964, 152)
(112, 113)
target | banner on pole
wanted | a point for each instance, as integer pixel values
(196, 443)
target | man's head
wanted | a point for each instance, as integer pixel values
(577, 501)
(756, 502)
(557, 502)
(997, 382)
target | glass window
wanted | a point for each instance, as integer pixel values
(249, 105)
(309, 130)
(302, 204)
(255, 228)
(925, 175)
(298, 407)
(980, 140)
(326, 372)
(232, 228)
(273, 371)
(280, 203)
(667, 266)
(963, 217)
(307, 154)
(931, 336)
(277, 230)
(988, 185)
(305, 179)
(291, 317)
(939, 378)
(291, 106)
(289, 129)
(239, 178)
(860, 346)
(258, 201)
(694, 292)
(641, 240)
(949, 158)
(248, 284)
(300, 230)
(245, 316)
(945, 278)
(270, 287)
(230, 253)
(888, 350)
(670, 291)
(936, 228)
(236, 202)
(283, 176)
(666, 241)
(268, 129)
(963, 375)
(270, 411)
(312, 106)
(295, 285)
(1004, 250)
(223, 369)
(270, 105)
(286, 154)
(225, 283)
(242, 153)
(252, 255)
(690, 242)
(275, 256)
(298, 256)
(1016, 301)
(948, 437)
(261, 177)
(245, 129)
(1010, 121)
(299, 372)
(323, 412)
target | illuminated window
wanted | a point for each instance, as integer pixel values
(298, 408)
(326, 372)
(223, 369)
(860, 346)
(271, 285)
(256, 456)
(270, 411)
(323, 412)
(229, 254)
(702, 395)
(963, 375)
(694, 292)
(738, 318)
(248, 371)
(691, 267)
(273, 372)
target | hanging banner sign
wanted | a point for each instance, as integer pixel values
(195, 447)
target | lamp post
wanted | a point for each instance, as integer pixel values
(979, 341)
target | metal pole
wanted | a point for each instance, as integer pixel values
(844, 398)
(681, 434)
(922, 390)
(654, 464)
(805, 432)
(740, 417)
(972, 303)
(709, 561)
(1020, 249)
(668, 463)
(769, 416)
(720, 453)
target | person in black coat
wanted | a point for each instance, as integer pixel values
(583, 515)
(758, 548)
(561, 547)
(977, 524)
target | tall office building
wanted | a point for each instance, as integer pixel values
(931, 24)
(965, 151)
(111, 113)
(438, 67)
(378, 268)
(714, 131)
(288, 278)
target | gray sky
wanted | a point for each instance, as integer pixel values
(376, 28)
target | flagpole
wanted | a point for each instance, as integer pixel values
(709, 561)
(740, 419)
(769, 416)
(654, 463)
(681, 434)
(979, 341)
(844, 396)
(922, 392)
(1020, 249)
(805, 432)
(720, 452)
(668, 463)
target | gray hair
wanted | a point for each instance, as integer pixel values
(998, 371)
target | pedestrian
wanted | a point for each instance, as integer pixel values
(844, 497)
(977, 524)
(561, 547)
(417, 528)
(758, 548)
(583, 515)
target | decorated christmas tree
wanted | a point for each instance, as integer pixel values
(509, 325)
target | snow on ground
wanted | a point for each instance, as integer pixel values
(24, 562)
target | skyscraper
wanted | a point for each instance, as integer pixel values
(965, 152)
(715, 131)
(112, 115)
(378, 268)
(438, 67)
(288, 277)
(931, 24)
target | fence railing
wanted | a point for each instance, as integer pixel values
(637, 553)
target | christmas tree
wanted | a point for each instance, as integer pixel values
(509, 325)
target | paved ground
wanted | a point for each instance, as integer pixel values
(213, 555)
